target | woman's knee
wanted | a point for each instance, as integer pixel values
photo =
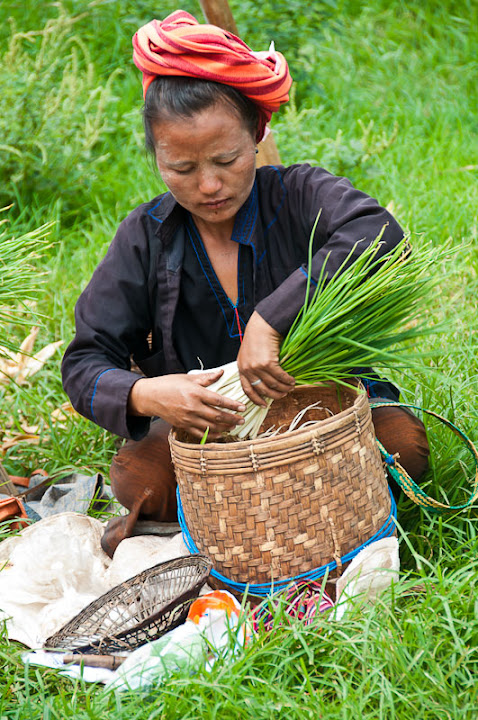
(146, 464)
(403, 433)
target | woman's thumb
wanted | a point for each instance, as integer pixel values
(207, 377)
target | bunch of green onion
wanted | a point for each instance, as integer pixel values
(365, 314)
(355, 319)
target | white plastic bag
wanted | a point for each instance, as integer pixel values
(370, 573)
(188, 647)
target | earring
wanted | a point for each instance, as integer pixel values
(257, 150)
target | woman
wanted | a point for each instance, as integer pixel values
(213, 270)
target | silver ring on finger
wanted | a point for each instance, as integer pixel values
(256, 382)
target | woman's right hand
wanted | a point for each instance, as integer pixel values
(185, 402)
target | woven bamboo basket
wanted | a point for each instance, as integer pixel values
(268, 509)
(139, 610)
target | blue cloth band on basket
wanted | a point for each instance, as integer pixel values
(265, 589)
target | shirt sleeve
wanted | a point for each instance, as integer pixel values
(112, 319)
(347, 215)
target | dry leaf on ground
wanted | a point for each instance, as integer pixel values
(23, 364)
(17, 438)
(62, 413)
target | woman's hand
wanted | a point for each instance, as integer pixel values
(185, 402)
(258, 362)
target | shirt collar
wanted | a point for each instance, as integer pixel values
(246, 219)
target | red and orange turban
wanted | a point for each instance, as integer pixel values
(179, 45)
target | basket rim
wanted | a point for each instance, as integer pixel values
(265, 444)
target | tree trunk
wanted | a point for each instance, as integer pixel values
(218, 12)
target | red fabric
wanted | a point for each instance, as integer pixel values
(12, 513)
(179, 45)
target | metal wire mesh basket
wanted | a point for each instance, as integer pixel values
(139, 610)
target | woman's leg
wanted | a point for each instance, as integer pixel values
(142, 479)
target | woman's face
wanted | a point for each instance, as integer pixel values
(207, 161)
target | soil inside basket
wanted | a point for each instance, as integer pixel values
(333, 399)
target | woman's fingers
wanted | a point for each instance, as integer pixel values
(200, 414)
(278, 383)
(210, 409)
(198, 417)
(218, 423)
(261, 383)
(215, 399)
(206, 377)
(258, 363)
(217, 419)
(253, 392)
(185, 402)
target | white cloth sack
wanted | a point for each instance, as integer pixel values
(56, 567)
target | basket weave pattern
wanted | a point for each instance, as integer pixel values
(269, 509)
(137, 611)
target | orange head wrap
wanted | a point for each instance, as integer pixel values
(179, 45)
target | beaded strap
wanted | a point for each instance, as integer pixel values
(408, 485)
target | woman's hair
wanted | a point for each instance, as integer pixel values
(176, 96)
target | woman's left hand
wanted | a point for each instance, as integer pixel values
(258, 363)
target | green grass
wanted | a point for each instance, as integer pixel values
(386, 94)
